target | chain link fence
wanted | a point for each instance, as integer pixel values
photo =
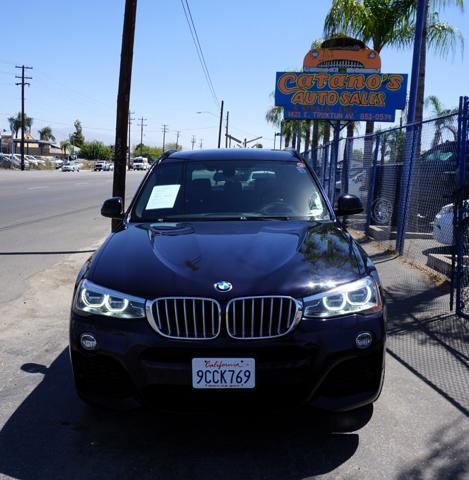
(372, 168)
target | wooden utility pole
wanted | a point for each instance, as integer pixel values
(131, 119)
(221, 124)
(141, 125)
(178, 133)
(193, 141)
(164, 130)
(22, 83)
(226, 129)
(123, 102)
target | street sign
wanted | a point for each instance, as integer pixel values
(340, 96)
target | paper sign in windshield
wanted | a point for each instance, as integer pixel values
(163, 196)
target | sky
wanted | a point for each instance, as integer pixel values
(74, 49)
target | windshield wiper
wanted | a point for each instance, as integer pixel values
(202, 217)
(266, 217)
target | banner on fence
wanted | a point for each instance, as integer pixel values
(341, 96)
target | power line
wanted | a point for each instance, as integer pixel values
(198, 48)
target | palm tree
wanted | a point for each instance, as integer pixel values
(66, 146)
(287, 128)
(46, 134)
(15, 123)
(377, 21)
(442, 37)
(392, 23)
(444, 119)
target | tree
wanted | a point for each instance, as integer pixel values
(444, 119)
(152, 153)
(172, 146)
(77, 138)
(380, 22)
(95, 151)
(66, 146)
(441, 36)
(15, 123)
(46, 134)
(392, 23)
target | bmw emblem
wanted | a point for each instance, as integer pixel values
(223, 286)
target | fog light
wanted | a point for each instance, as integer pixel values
(88, 342)
(364, 340)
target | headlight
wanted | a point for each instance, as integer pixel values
(360, 296)
(93, 299)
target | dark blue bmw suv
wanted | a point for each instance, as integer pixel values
(230, 277)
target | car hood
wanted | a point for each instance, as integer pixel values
(294, 258)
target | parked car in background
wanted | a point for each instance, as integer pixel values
(70, 166)
(101, 166)
(16, 161)
(139, 163)
(427, 195)
(443, 224)
(34, 160)
(58, 162)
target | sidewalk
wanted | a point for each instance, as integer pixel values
(423, 335)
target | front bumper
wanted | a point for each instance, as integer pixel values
(317, 364)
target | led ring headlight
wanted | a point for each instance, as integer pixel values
(93, 299)
(361, 296)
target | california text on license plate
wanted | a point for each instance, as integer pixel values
(223, 373)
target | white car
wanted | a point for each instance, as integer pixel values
(443, 224)
(139, 163)
(16, 161)
(70, 166)
(33, 160)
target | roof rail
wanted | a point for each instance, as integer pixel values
(165, 155)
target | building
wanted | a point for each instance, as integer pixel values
(32, 146)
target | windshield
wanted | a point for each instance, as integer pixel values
(229, 189)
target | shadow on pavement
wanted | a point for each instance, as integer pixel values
(53, 435)
(446, 457)
(432, 344)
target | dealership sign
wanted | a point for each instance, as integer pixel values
(341, 96)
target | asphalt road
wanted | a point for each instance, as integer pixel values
(47, 215)
(418, 429)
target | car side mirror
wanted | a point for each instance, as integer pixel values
(113, 208)
(348, 205)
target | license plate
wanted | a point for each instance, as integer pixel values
(223, 373)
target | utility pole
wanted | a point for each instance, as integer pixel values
(141, 125)
(130, 123)
(164, 130)
(123, 102)
(226, 128)
(200, 144)
(177, 139)
(193, 141)
(221, 123)
(246, 141)
(22, 83)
